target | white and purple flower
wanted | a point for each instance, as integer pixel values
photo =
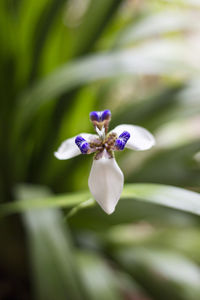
(106, 180)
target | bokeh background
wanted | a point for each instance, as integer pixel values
(60, 60)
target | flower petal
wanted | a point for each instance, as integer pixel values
(69, 149)
(106, 183)
(140, 139)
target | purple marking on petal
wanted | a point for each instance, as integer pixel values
(120, 143)
(125, 136)
(100, 116)
(94, 116)
(106, 114)
(82, 144)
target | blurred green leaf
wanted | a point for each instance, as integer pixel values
(61, 59)
(163, 274)
(153, 58)
(165, 195)
(158, 24)
(100, 280)
(55, 273)
(175, 165)
(169, 196)
(69, 201)
(53, 265)
(97, 16)
(150, 112)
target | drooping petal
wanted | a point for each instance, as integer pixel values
(106, 183)
(69, 149)
(140, 138)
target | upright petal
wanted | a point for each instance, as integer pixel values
(140, 138)
(69, 149)
(106, 183)
(100, 116)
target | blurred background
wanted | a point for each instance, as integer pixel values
(60, 60)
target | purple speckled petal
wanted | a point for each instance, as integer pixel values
(82, 144)
(120, 143)
(69, 149)
(100, 116)
(140, 138)
(94, 116)
(106, 115)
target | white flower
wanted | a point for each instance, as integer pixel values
(106, 180)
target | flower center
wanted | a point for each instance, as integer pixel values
(104, 147)
(105, 144)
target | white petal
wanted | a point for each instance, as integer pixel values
(106, 183)
(69, 149)
(140, 139)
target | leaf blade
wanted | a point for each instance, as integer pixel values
(169, 196)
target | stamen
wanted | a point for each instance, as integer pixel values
(122, 140)
(82, 144)
(110, 140)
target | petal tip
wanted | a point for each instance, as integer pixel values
(58, 155)
(109, 210)
(153, 141)
(107, 206)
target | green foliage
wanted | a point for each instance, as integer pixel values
(60, 60)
